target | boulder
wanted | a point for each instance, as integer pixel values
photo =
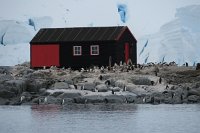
(70, 95)
(60, 85)
(120, 83)
(193, 99)
(4, 101)
(7, 94)
(115, 99)
(94, 99)
(130, 98)
(16, 86)
(102, 88)
(36, 85)
(195, 91)
(138, 90)
(89, 87)
(56, 94)
(198, 66)
(141, 80)
(116, 89)
(80, 100)
(53, 100)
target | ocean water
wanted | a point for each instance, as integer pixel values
(109, 118)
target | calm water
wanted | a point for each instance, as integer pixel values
(100, 119)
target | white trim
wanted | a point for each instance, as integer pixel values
(91, 51)
(76, 51)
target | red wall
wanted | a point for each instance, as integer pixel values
(45, 55)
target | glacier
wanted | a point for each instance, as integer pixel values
(177, 40)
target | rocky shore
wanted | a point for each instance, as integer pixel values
(150, 84)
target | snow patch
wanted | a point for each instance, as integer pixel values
(40, 22)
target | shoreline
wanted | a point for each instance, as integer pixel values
(149, 84)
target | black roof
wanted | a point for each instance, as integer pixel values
(79, 34)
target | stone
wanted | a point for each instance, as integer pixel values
(60, 85)
(94, 99)
(193, 99)
(116, 89)
(16, 86)
(56, 94)
(102, 88)
(115, 99)
(89, 87)
(70, 95)
(195, 91)
(198, 66)
(120, 83)
(7, 94)
(4, 101)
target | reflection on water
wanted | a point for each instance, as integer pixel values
(111, 118)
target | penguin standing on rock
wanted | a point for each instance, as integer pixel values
(63, 102)
(45, 100)
(22, 98)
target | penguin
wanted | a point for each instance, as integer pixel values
(113, 92)
(144, 100)
(22, 98)
(124, 89)
(63, 102)
(45, 100)
(39, 101)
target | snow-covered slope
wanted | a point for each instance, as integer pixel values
(177, 40)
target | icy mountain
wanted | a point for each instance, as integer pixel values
(177, 40)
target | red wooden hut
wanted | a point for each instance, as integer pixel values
(82, 47)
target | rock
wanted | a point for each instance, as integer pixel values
(42, 90)
(116, 89)
(141, 80)
(89, 87)
(56, 94)
(130, 97)
(193, 99)
(105, 76)
(194, 92)
(60, 85)
(53, 100)
(70, 95)
(198, 66)
(80, 100)
(97, 82)
(94, 99)
(115, 99)
(16, 86)
(102, 88)
(36, 85)
(67, 101)
(120, 83)
(6, 94)
(4, 77)
(72, 87)
(4, 101)
(135, 89)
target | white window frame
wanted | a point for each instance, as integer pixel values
(91, 50)
(77, 52)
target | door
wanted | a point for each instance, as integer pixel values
(127, 53)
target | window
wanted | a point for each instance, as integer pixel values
(94, 50)
(77, 50)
